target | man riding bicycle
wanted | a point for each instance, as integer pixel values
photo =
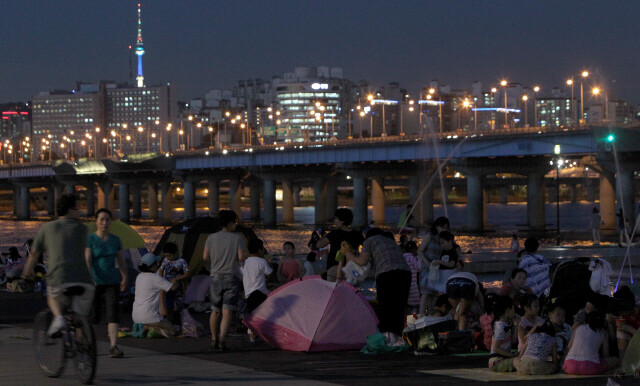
(64, 240)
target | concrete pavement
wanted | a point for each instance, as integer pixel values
(18, 367)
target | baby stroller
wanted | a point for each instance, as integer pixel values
(570, 285)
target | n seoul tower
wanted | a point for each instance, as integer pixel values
(139, 51)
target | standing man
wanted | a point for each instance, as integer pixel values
(64, 240)
(225, 250)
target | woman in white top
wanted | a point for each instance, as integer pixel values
(589, 348)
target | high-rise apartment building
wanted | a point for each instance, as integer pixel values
(104, 119)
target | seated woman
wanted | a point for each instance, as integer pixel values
(589, 348)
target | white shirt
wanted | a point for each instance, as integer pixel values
(146, 306)
(308, 268)
(254, 272)
(586, 345)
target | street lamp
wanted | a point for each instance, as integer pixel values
(596, 91)
(584, 75)
(559, 162)
(494, 90)
(536, 89)
(525, 98)
(573, 106)
(504, 84)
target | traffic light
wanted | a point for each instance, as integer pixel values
(611, 138)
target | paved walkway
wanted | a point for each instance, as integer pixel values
(18, 367)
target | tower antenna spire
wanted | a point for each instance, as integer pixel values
(139, 50)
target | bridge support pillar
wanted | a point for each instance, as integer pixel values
(504, 194)
(332, 198)
(535, 201)
(51, 200)
(25, 203)
(296, 195)
(269, 191)
(235, 197)
(136, 200)
(152, 198)
(287, 201)
(59, 191)
(254, 200)
(476, 219)
(552, 194)
(123, 194)
(213, 197)
(70, 188)
(572, 193)
(91, 199)
(105, 195)
(608, 201)
(591, 190)
(360, 204)
(16, 201)
(377, 200)
(320, 201)
(626, 194)
(165, 197)
(189, 197)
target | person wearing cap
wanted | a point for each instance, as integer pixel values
(147, 308)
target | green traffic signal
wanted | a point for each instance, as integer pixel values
(611, 138)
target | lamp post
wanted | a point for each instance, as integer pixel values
(504, 85)
(95, 143)
(525, 98)
(573, 105)
(559, 162)
(596, 91)
(169, 127)
(584, 75)
(536, 89)
(494, 90)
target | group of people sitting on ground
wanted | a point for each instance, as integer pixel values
(428, 278)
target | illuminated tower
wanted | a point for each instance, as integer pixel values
(139, 52)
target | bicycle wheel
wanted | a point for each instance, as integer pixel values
(85, 349)
(49, 352)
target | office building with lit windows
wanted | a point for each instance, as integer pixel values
(311, 101)
(554, 111)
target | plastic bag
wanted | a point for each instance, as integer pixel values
(434, 272)
(191, 327)
(354, 273)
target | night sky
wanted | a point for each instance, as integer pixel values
(205, 44)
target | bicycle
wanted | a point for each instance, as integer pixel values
(77, 340)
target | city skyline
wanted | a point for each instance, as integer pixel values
(210, 46)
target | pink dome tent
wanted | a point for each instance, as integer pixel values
(314, 315)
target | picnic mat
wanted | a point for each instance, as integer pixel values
(486, 375)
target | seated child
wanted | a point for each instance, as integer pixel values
(442, 307)
(531, 305)
(175, 269)
(540, 344)
(628, 320)
(486, 319)
(502, 360)
(147, 307)
(585, 346)
(563, 330)
(290, 268)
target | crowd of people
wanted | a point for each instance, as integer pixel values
(522, 328)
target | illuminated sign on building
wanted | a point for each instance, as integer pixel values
(320, 86)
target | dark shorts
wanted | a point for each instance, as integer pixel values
(461, 288)
(255, 299)
(224, 292)
(106, 304)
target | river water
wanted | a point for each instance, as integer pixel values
(503, 219)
